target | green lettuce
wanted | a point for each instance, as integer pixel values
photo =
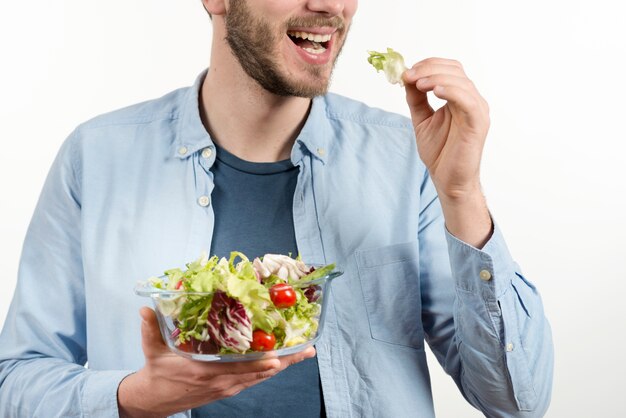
(318, 274)
(224, 284)
(391, 62)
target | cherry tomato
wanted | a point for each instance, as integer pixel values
(262, 341)
(282, 295)
(187, 346)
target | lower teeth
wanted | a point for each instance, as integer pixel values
(314, 51)
(317, 48)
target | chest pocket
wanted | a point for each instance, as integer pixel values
(390, 283)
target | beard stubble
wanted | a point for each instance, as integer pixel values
(252, 42)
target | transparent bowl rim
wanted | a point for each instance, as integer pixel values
(144, 288)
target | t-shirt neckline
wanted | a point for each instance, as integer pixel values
(250, 167)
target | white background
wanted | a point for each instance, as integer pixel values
(554, 167)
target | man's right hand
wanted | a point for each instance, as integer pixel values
(169, 383)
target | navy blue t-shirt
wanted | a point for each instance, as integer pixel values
(253, 206)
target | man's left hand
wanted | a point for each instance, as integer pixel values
(450, 142)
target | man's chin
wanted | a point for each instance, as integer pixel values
(312, 87)
(310, 92)
(299, 89)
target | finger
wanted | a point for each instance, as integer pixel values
(461, 101)
(251, 379)
(151, 340)
(426, 84)
(292, 359)
(426, 70)
(271, 365)
(283, 363)
(240, 367)
(418, 104)
(463, 83)
(440, 60)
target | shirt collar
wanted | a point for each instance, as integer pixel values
(191, 134)
(314, 138)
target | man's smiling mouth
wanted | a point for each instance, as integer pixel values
(313, 43)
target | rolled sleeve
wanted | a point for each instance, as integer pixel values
(489, 281)
(100, 393)
(485, 271)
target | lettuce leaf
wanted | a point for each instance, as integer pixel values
(317, 274)
(391, 62)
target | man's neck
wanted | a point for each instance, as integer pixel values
(247, 120)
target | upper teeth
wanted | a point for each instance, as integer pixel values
(315, 37)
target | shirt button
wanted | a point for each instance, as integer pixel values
(206, 153)
(182, 150)
(204, 201)
(485, 275)
(321, 152)
(509, 347)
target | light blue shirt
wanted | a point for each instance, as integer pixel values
(129, 195)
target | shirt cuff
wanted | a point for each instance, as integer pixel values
(488, 271)
(100, 393)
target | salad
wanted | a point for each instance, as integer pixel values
(226, 307)
(390, 62)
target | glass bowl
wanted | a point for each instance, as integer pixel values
(168, 304)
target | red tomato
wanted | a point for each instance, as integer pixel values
(282, 295)
(187, 346)
(262, 341)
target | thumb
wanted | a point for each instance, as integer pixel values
(151, 340)
(418, 103)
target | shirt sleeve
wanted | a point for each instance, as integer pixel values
(483, 319)
(43, 342)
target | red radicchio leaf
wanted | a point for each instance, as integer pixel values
(228, 323)
(313, 293)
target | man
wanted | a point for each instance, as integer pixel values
(150, 186)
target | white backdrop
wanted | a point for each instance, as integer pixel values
(554, 167)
